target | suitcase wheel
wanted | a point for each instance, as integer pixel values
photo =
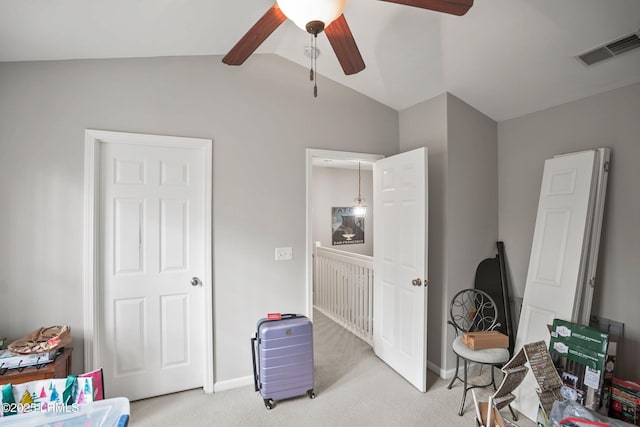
(311, 394)
(268, 403)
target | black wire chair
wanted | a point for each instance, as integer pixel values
(472, 310)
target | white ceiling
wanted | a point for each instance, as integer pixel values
(506, 58)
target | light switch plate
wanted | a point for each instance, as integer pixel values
(284, 254)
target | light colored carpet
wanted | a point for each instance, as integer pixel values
(353, 388)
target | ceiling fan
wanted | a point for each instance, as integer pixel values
(316, 16)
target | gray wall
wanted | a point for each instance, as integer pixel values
(259, 117)
(335, 187)
(425, 125)
(463, 204)
(611, 119)
(472, 199)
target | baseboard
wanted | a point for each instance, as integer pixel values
(444, 374)
(448, 374)
(234, 383)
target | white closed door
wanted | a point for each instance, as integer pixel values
(400, 253)
(151, 307)
(557, 264)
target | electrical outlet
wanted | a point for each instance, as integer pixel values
(284, 254)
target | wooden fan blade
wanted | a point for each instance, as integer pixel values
(344, 45)
(255, 36)
(453, 7)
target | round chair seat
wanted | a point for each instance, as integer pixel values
(491, 356)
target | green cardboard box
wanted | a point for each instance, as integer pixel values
(579, 354)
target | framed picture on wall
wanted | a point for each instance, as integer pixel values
(346, 228)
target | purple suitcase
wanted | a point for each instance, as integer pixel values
(283, 358)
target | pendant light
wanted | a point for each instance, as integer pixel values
(359, 209)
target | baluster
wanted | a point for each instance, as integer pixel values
(343, 289)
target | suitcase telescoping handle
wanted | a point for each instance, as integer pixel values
(255, 369)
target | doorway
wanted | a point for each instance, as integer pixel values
(342, 233)
(314, 155)
(400, 257)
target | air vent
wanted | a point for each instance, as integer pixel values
(624, 45)
(610, 50)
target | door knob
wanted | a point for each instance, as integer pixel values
(196, 282)
(416, 282)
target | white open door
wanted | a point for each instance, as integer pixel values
(558, 263)
(400, 252)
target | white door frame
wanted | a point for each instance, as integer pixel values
(93, 139)
(332, 155)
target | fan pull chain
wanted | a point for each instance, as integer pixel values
(314, 66)
(311, 60)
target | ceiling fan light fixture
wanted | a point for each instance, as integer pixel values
(303, 12)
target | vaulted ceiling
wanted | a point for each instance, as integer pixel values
(506, 58)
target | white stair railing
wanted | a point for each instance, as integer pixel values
(343, 289)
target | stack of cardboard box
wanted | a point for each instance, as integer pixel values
(579, 354)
